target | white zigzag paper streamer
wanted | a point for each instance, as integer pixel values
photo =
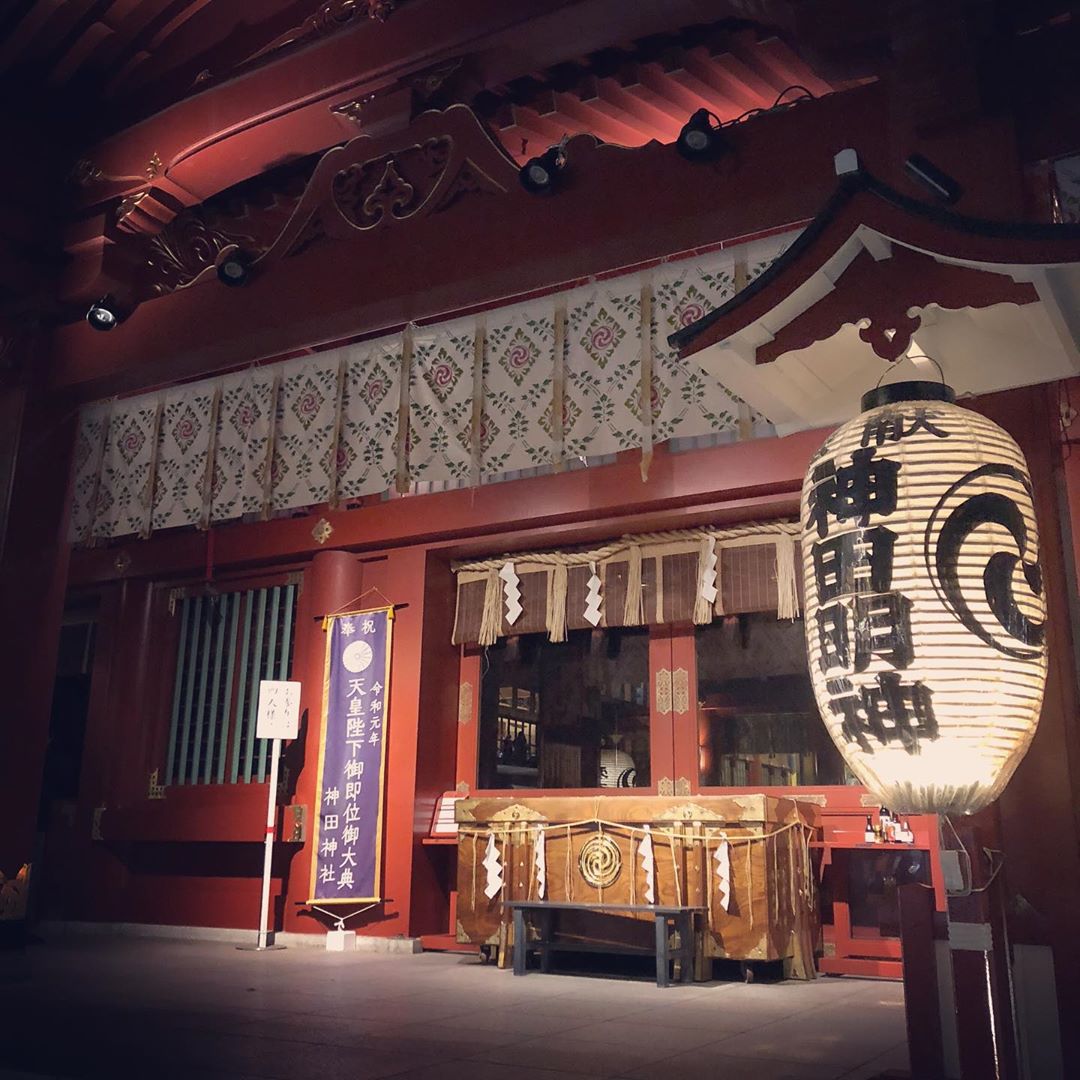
(494, 868)
(723, 874)
(540, 863)
(708, 578)
(511, 592)
(648, 864)
(593, 600)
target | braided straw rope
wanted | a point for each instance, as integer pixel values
(762, 531)
(632, 549)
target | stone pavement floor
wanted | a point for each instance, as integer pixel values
(163, 1009)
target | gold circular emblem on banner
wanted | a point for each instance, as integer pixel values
(600, 861)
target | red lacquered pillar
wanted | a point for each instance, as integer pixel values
(33, 577)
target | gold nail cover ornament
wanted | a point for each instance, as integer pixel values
(925, 611)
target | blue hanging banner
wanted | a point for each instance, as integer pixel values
(347, 864)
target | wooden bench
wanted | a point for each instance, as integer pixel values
(678, 918)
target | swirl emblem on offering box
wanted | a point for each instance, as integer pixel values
(600, 861)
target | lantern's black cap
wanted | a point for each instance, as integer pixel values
(894, 393)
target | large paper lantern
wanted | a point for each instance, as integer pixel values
(925, 613)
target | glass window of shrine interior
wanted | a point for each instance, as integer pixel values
(571, 714)
(725, 704)
(758, 724)
(579, 714)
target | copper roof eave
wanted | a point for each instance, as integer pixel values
(862, 201)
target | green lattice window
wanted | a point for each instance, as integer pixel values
(227, 643)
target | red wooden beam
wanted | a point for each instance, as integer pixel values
(248, 109)
(596, 224)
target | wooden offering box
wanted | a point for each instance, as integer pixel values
(751, 849)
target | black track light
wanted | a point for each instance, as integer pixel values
(234, 268)
(541, 175)
(104, 314)
(940, 184)
(701, 138)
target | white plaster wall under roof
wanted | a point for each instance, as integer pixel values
(980, 350)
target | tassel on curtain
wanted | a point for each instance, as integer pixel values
(718, 603)
(558, 390)
(491, 618)
(556, 602)
(211, 457)
(476, 449)
(634, 608)
(401, 465)
(151, 475)
(271, 443)
(787, 589)
(645, 386)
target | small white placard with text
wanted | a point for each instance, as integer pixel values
(279, 710)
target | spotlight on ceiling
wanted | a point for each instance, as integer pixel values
(701, 138)
(541, 175)
(104, 314)
(234, 268)
(940, 184)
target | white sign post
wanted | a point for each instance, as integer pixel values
(278, 718)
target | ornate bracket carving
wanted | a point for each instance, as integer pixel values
(187, 247)
(147, 211)
(367, 184)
